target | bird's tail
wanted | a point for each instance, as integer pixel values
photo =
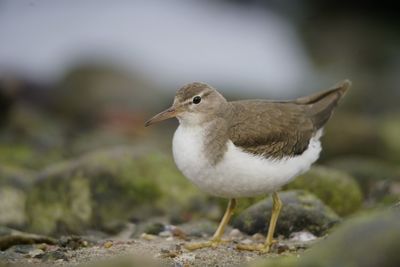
(321, 104)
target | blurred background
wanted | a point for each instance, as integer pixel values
(79, 78)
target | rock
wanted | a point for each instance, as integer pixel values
(301, 211)
(335, 188)
(350, 245)
(20, 238)
(302, 236)
(102, 190)
(72, 242)
(377, 179)
(154, 228)
(367, 240)
(200, 228)
(14, 183)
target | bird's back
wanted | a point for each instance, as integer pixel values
(282, 128)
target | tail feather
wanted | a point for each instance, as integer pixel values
(321, 105)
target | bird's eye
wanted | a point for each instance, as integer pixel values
(196, 99)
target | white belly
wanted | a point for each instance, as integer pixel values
(238, 174)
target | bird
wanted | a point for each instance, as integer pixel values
(246, 148)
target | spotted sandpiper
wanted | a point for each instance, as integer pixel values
(246, 148)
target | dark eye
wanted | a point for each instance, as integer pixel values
(196, 99)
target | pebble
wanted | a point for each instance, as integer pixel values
(302, 236)
(165, 234)
(235, 233)
(258, 237)
(148, 237)
(108, 244)
(179, 233)
(35, 253)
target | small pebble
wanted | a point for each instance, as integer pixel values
(281, 248)
(179, 233)
(303, 236)
(235, 233)
(165, 234)
(108, 244)
(258, 237)
(35, 253)
(148, 237)
(171, 238)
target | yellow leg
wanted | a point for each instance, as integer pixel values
(276, 209)
(217, 237)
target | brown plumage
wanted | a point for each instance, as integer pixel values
(282, 128)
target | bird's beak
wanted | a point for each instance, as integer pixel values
(162, 116)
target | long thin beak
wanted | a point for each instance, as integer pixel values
(166, 114)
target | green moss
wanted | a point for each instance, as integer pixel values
(107, 188)
(335, 188)
(27, 156)
(57, 206)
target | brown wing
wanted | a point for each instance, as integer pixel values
(270, 129)
(278, 129)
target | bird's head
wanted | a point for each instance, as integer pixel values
(194, 104)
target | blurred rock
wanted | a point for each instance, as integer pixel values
(379, 180)
(368, 240)
(14, 183)
(109, 90)
(154, 228)
(104, 189)
(200, 228)
(301, 211)
(335, 188)
(32, 139)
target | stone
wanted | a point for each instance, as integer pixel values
(14, 183)
(377, 179)
(335, 188)
(301, 211)
(367, 240)
(103, 190)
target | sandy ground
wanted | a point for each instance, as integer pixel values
(167, 251)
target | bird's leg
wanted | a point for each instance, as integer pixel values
(217, 237)
(276, 208)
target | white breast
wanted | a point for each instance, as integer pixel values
(238, 174)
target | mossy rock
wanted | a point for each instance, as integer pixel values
(376, 178)
(103, 189)
(366, 240)
(301, 211)
(335, 188)
(14, 183)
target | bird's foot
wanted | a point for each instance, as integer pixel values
(206, 244)
(262, 248)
